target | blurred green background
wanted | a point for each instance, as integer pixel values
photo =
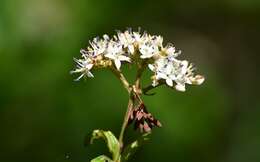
(45, 115)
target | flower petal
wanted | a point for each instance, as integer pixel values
(151, 67)
(168, 69)
(124, 58)
(79, 77)
(197, 80)
(169, 82)
(131, 49)
(180, 87)
(89, 66)
(161, 75)
(89, 74)
(109, 55)
(117, 63)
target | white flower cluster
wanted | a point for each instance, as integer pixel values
(125, 46)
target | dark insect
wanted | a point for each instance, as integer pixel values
(143, 120)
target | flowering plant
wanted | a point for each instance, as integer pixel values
(144, 51)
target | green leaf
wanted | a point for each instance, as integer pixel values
(111, 140)
(131, 149)
(101, 158)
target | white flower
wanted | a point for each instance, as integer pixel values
(181, 76)
(88, 54)
(150, 46)
(189, 77)
(174, 71)
(163, 70)
(99, 45)
(84, 67)
(171, 52)
(148, 50)
(186, 76)
(165, 65)
(115, 52)
(157, 40)
(127, 39)
(137, 37)
(197, 80)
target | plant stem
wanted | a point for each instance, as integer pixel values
(122, 78)
(137, 85)
(134, 92)
(124, 125)
(150, 87)
(129, 89)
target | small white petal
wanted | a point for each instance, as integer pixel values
(197, 80)
(143, 56)
(117, 63)
(168, 69)
(89, 74)
(131, 49)
(169, 82)
(161, 76)
(155, 83)
(200, 79)
(185, 63)
(184, 67)
(83, 51)
(73, 71)
(106, 37)
(89, 66)
(124, 58)
(137, 37)
(109, 55)
(79, 77)
(173, 77)
(159, 40)
(147, 55)
(151, 67)
(170, 50)
(160, 62)
(180, 87)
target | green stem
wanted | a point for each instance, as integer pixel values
(128, 111)
(129, 89)
(122, 78)
(150, 87)
(134, 93)
(124, 125)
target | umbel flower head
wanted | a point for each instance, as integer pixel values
(125, 47)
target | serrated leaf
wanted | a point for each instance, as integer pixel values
(111, 140)
(101, 158)
(131, 149)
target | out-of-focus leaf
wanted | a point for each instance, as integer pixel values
(101, 158)
(131, 149)
(111, 140)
